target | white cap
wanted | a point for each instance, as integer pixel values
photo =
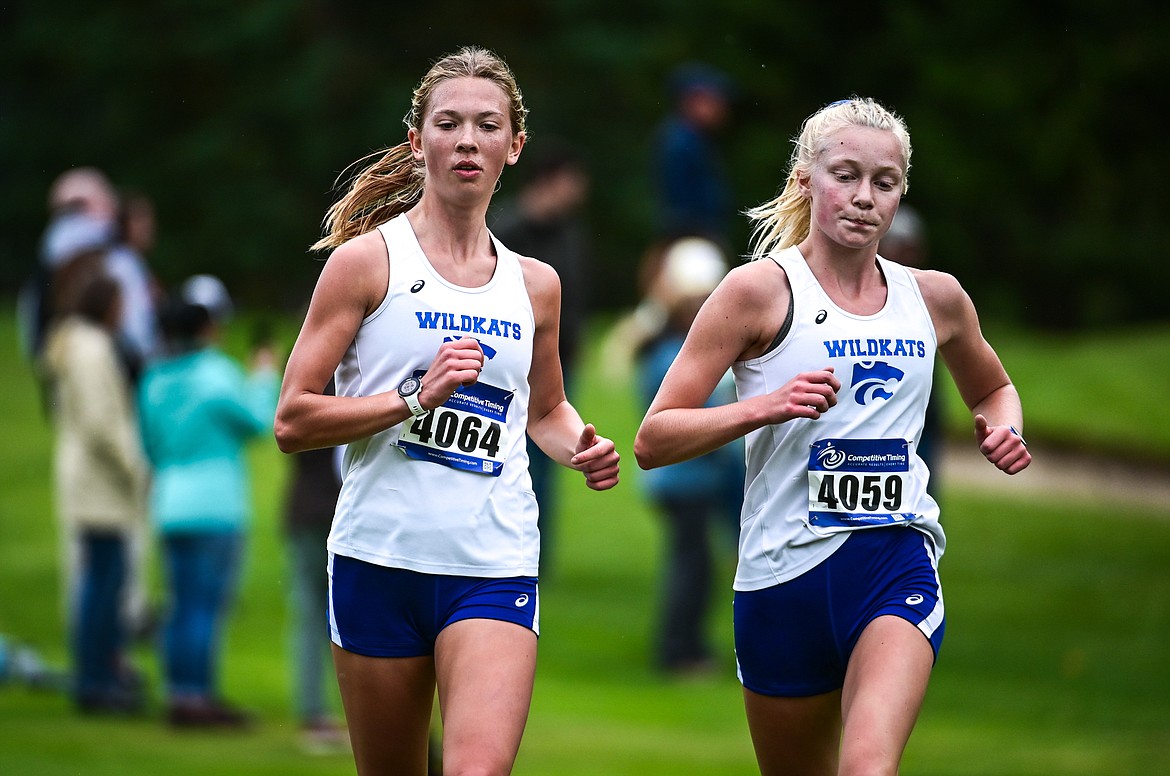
(209, 292)
(692, 266)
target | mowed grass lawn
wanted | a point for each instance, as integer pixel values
(1054, 661)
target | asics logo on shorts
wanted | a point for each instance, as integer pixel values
(522, 600)
(915, 599)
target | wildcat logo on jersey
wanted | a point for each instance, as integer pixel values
(488, 351)
(469, 324)
(871, 380)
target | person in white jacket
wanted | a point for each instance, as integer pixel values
(100, 477)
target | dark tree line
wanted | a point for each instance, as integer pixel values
(1033, 124)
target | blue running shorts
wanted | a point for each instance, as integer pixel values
(388, 612)
(794, 639)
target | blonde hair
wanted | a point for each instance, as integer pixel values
(393, 182)
(786, 220)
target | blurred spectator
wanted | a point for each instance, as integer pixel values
(87, 190)
(692, 198)
(198, 410)
(81, 217)
(100, 475)
(69, 235)
(308, 514)
(85, 213)
(545, 221)
(650, 317)
(698, 499)
(128, 264)
(905, 243)
(141, 342)
(78, 255)
(905, 240)
(690, 179)
(137, 223)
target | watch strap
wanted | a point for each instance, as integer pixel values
(412, 402)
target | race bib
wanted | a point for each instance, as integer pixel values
(468, 432)
(857, 483)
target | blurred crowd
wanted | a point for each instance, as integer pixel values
(151, 420)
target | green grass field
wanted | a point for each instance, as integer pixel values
(1054, 661)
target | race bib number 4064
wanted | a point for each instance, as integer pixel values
(468, 432)
(854, 483)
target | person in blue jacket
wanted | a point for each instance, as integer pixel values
(698, 500)
(198, 409)
(691, 185)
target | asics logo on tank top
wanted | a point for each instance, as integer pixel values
(468, 324)
(418, 286)
(822, 315)
(871, 379)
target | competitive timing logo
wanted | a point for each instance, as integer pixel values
(830, 457)
(874, 380)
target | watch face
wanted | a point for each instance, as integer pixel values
(409, 385)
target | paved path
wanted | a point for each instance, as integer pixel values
(1078, 477)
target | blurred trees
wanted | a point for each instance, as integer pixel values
(1033, 125)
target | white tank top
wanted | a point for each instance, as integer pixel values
(809, 482)
(448, 493)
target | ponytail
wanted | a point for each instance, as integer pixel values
(389, 186)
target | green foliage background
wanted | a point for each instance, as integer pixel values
(1033, 124)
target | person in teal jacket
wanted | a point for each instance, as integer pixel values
(198, 409)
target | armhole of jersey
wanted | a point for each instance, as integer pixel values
(507, 260)
(512, 262)
(787, 325)
(917, 289)
(389, 274)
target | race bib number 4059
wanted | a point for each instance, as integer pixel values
(855, 483)
(468, 432)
